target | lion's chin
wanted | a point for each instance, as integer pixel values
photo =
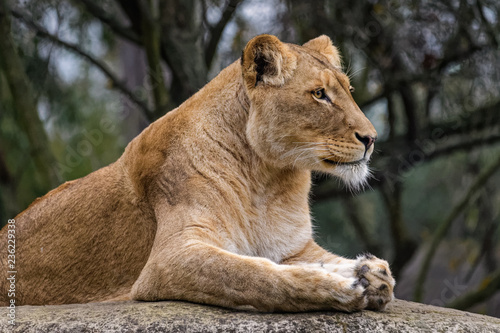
(355, 176)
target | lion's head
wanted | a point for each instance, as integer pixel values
(302, 113)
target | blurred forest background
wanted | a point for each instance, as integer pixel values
(79, 79)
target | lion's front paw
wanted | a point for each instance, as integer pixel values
(354, 298)
(375, 276)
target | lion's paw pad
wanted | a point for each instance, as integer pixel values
(374, 275)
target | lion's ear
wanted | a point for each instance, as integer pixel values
(323, 44)
(266, 59)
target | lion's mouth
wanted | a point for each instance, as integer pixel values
(337, 163)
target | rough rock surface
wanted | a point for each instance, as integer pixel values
(400, 316)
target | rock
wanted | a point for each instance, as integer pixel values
(400, 316)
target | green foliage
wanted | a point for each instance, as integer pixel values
(73, 108)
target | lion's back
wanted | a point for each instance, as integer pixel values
(80, 239)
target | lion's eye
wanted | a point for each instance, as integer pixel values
(319, 94)
(351, 89)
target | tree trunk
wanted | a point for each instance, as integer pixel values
(24, 104)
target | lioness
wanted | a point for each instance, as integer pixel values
(209, 204)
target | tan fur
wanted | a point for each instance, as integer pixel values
(210, 203)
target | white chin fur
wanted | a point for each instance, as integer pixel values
(355, 176)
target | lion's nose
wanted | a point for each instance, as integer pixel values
(367, 140)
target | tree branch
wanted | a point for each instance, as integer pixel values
(486, 244)
(182, 47)
(132, 10)
(5, 176)
(405, 79)
(352, 212)
(467, 145)
(76, 49)
(373, 99)
(24, 103)
(410, 112)
(483, 119)
(480, 119)
(329, 189)
(152, 43)
(404, 246)
(391, 117)
(446, 224)
(216, 31)
(110, 21)
(488, 287)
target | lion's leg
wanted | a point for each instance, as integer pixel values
(372, 273)
(203, 273)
